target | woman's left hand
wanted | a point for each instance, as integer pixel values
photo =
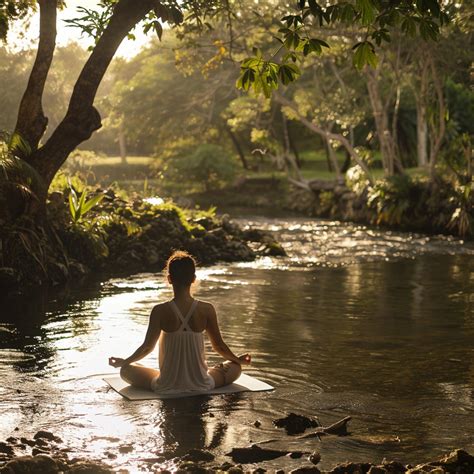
(116, 361)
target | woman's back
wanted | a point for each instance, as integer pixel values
(182, 359)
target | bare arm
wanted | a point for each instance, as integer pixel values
(151, 338)
(218, 343)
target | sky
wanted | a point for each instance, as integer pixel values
(19, 38)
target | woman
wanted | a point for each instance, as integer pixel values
(179, 325)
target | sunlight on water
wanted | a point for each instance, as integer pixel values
(354, 321)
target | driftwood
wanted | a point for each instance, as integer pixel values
(339, 428)
(293, 424)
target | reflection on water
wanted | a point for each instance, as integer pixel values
(376, 325)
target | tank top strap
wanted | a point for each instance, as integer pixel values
(184, 320)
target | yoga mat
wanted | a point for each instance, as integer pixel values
(245, 383)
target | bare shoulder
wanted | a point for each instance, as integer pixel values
(206, 307)
(158, 310)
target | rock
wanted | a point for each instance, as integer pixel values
(206, 222)
(57, 272)
(6, 449)
(196, 455)
(12, 440)
(47, 435)
(305, 469)
(77, 269)
(31, 464)
(458, 459)
(29, 442)
(295, 424)
(259, 470)
(377, 470)
(189, 466)
(41, 442)
(126, 448)
(38, 451)
(9, 279)
(225, 466)
(255, 454)
(86, 467)
(257, 423)
(351, 468)
(393, 467)
(315, 457)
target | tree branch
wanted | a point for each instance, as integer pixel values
(325, 134)
(31, 122)
(82, 119)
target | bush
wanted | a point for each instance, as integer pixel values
(209, 165)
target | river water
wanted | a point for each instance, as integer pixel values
(355, 322)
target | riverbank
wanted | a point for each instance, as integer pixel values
(399, 203)
(118, 236)
(47, 455)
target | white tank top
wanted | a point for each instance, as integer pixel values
(182, 359)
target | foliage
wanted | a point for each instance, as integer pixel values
(11, 10)
(356, 180)
(20, 183)
(80, 206)
(376, 20)
(208, 164)
(462, 219)
(392, 198)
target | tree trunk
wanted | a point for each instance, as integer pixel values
(238, 148)
(420, 93)
(421, 134)
(82, 118)
(385, 137)
(333, 158)
(437, 135)
(31, 122)
(294, 148)
(122, 144)
(347, 163)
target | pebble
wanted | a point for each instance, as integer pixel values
(47, 435)
(314, 457)
(6, 448)
(126, 448)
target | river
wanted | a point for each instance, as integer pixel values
(372, 324)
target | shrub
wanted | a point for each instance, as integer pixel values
(209, 165)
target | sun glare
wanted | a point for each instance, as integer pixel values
(24, 36)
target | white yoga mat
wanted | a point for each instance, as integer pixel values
(245, 383)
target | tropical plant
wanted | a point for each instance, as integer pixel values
(20, 183)
(79, 206)
(462, 219)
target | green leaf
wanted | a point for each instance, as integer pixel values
(91, 203)
(364, 55)
(158, 28)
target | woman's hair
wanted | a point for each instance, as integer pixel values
(181, 268)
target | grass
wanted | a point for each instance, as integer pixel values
(138, 176)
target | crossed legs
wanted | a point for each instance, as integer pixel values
(140, 376)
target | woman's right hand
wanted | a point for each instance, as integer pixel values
(116, 362)
(245, 359)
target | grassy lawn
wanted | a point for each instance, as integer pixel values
(138, 176)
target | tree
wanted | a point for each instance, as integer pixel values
(116, 18)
